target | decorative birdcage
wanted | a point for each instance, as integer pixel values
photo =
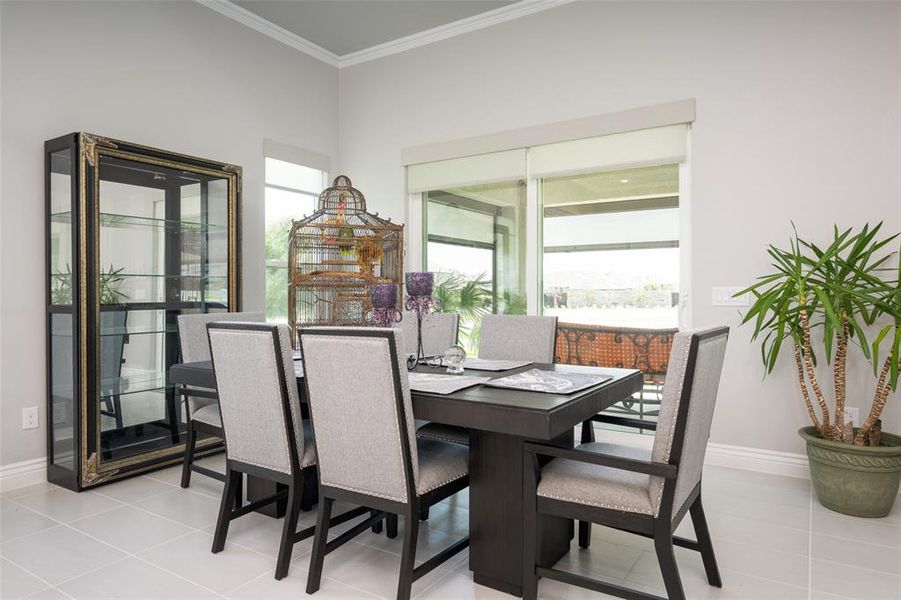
(335, 255)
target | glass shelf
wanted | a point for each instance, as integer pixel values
(134, 384)
(156, 276)
(118, 221)
(114, 331)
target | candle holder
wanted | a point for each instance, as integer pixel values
(384, 311)
(420, 286)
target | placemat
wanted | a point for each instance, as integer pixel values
(434, 383)
(483, 364)
(549, 382)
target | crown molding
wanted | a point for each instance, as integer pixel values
(268, 28)
(415, 40)
(449, 30)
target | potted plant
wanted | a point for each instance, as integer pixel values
(829, 301)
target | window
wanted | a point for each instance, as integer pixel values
(292, 191)
(476, 244)
(611, 247)
(586, 229)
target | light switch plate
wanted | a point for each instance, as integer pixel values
(852, 415)
(723, 296)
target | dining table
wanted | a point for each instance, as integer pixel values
(500, 421)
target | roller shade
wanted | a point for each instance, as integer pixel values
(659, 145)
(509, 165)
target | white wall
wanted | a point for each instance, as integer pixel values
(798, 118)
(173, 75)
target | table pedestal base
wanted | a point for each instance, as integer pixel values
(496, 512)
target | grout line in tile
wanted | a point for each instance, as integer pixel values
(35, 575)
(436, 582)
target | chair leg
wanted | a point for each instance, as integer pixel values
(408, 557)
(587, 431)
(229, 492)
(531, 532)
(319, 542)
(295, 497)
(310, 491)
(663, 544)
(117, 411)
(377, 526)
(239, 494)
(190, 441)
(584, 534)
(391, 526)
(702, 533)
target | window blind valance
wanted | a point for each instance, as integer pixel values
(509, 165)
(659, 145)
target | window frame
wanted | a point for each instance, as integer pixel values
(275, 263)
(417, 215)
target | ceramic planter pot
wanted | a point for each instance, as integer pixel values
(855, 480)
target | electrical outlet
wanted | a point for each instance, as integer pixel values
(852, 415)
(30, 417)
(724, 296)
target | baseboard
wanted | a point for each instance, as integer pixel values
(756, 459)
(735, 457)
(21, 474)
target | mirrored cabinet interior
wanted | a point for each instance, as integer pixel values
(135, 237)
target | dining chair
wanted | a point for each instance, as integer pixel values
(518, 337)
(439, 332)
(202, 414)
(368, 452)
(641, 491)
(266, 434)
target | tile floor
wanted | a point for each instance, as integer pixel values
(147, 538)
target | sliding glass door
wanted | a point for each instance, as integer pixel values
(476, 242)
(610, 253)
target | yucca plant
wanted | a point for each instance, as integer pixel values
(841, 290)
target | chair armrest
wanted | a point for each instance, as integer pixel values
(625, 422)
(665, 470)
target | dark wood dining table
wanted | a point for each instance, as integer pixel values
(500, 420)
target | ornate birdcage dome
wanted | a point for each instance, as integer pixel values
(342, 195)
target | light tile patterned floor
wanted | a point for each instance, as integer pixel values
(147, 538)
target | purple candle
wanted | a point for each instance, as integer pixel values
(419, 283)
(384, 295)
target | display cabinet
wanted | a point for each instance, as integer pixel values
(135, 237)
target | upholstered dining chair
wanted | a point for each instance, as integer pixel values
(518, 337)
(645, 492)
(439, 332)
(202, 410)
(367, 447)
(267, 435)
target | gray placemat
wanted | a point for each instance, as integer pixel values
(483, 364)
(433, 383)
(549, 382)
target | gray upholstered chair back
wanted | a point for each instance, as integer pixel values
(195, 345)
(350, 376)
(255, 379)
(192, 338)
(439, 332)
(693, 376)
(518, 337)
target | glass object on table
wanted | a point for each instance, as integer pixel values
(453, 359)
